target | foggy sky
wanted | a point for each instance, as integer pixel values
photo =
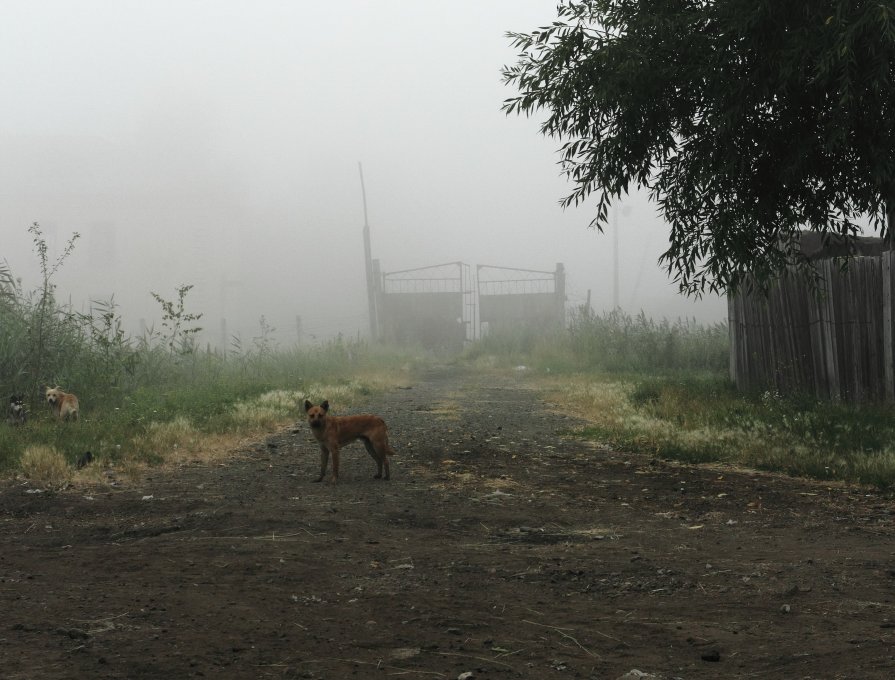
(217, 144)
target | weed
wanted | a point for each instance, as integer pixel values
(45, 466)
(178, 336)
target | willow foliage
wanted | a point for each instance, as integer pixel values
(745, 120)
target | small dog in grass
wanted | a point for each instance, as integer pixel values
(64, 404)
(16, 413)
(334, 432)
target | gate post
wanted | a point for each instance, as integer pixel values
(559, 284)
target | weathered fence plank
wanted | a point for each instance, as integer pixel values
(888, 333)
(836, 341)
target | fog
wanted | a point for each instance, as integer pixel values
(217, 144)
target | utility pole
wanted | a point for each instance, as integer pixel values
(625, 212)
(368, 261)
(615, 257)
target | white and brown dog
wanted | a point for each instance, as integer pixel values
(64, 404)
(334, 432)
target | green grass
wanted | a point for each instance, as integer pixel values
(704, 419)
(199, 399)
(661, 388)
(158, 397)
(614, 342)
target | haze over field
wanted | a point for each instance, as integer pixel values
(217, 144)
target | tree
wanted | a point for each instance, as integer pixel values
(745, 120)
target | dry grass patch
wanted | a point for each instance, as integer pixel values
(268, 411)
(164, 438)
(216, 448)
(449, 407)
(45, 466)
(604, 403)
(448, 410)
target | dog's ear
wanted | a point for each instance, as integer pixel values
(325, 405)
(308, 405)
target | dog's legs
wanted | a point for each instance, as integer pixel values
(324, 459)
(385, 449)
(368, 445)
(335, 452)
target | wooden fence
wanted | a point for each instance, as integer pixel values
(836, 341)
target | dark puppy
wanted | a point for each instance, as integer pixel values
(16, 413)
(334, 432)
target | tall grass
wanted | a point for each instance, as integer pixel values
(164, 404)
(618, 342)
(614, 342)
(145, 398)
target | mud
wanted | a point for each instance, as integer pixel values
(503, 547)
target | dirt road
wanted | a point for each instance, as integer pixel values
(502, 547)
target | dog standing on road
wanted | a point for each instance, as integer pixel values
(334, 432)
(64, 404)
(16, 413)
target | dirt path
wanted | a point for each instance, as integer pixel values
(501, 547)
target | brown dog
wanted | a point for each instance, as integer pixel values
(64, 404)
(334, 432)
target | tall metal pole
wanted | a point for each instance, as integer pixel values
(368, 262)
(615, 259)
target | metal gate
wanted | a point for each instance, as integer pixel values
(520, 298)
(430, 306)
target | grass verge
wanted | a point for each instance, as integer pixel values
(205, 416)
(702, 418)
